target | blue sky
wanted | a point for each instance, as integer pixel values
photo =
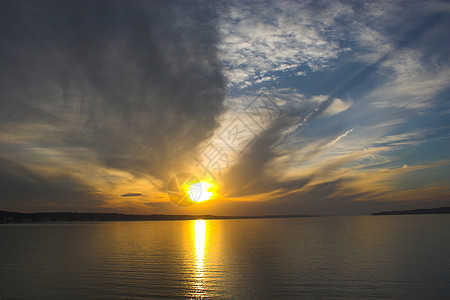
(103, 100)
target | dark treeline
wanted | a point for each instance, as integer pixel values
(439, 210)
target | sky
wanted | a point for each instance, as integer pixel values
(288, 107)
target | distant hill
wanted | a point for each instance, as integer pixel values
(439, 210)
(17, 217)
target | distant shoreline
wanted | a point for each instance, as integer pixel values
(8, 217)
(17, 217)
(424, 211)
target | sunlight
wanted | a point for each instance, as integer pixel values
(200, 191)
(200, 239)
(199, 233)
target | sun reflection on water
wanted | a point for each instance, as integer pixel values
(200, 243)
(200, 240)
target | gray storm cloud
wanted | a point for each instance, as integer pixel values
(137, 83)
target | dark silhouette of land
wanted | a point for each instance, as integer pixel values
(17, 217)
(439, 210)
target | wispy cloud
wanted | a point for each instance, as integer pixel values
(262, 38)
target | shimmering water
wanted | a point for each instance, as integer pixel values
(328, 257)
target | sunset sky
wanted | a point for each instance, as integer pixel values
(289, 107)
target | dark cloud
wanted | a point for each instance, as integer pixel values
(22, 187)
(132, 195)
(137, 83)
(335, 197)
(249, 175)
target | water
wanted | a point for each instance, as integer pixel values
(329, 257)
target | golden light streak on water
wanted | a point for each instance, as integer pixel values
(200, 244)
(200, 241)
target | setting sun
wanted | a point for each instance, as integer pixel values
(200, 191)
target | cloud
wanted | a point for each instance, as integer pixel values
(414, 74)
(378, 68)
(417, 91)
(22, 187)
(263, 37)
(132, 195)
(99, 99)
(337, 106)
(389, 123)
(136, 85)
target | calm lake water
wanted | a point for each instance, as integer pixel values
(327, 257)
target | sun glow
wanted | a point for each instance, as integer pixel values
(200, 191)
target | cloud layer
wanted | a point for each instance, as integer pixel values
(134, 85)
(101, 103)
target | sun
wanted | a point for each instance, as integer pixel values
(200, 191)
